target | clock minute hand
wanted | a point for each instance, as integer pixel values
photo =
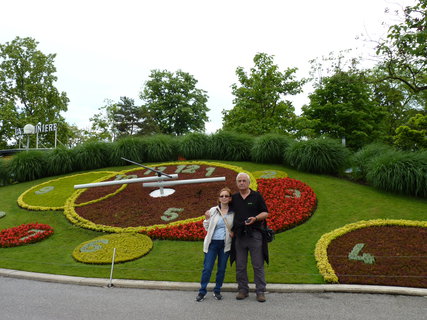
(159, 173)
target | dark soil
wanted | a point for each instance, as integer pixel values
(400, 256)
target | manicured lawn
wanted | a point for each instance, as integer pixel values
(291, 254)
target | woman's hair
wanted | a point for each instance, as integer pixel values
(227, 189)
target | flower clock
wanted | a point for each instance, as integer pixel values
(131, 208)
(376, 252)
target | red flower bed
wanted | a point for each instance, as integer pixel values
(24, 234)
(290, 202)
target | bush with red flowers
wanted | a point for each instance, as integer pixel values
(24, 234)
(290, 202)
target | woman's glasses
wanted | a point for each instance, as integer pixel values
(224, 196)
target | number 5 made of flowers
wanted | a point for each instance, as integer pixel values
(171, 214)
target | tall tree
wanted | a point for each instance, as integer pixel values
(27, 88)
(259, 105)
(342, 106)
(175, 103)
(130, 119)
(404, 51)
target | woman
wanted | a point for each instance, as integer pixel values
(217, 243)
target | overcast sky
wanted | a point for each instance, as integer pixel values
(106, 49)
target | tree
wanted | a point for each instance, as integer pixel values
(259, 105)
(342, 106)
(413, 135)
(27, 90)
(404, 51)
(130, 119)
(176, 105)
(120, 119)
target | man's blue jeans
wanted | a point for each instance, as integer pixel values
(216, 249)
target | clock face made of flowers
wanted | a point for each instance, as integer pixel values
(130, 208)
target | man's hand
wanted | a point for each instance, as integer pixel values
(250, 221)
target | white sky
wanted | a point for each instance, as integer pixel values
(106, 49)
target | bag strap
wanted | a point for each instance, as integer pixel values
(225, 220)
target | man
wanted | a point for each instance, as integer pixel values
(250, 211)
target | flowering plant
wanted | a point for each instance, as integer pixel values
(290, 202)
(24, 234)
(321, 250)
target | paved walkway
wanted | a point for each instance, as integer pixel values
(40, 300)
(227, 287)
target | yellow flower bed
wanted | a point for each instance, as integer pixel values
(269, 174)
(321, 253)
(74, 218)
(52, 194)
(129, 246)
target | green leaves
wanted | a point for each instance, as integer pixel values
(404, 51)
(27, 91)
(176, 105)
(259, 105)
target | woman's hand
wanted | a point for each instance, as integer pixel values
(207, 214)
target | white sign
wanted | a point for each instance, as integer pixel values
(39, 128)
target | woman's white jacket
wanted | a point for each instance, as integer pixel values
(210, 224)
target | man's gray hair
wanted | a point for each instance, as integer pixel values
(243, 174)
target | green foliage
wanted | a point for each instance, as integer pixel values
(28, 165)
(231, 146)
(194, 146)
(403, 51)
(400, 172)
(343, 106)
(161, 148)
(176, 105)
(321, 155)
(361, 159)
(131, 148)
(28, 94)
(270, 148)
(5, 177)
(259, 105)
(91, 155)
(412, 136)
(59, 161)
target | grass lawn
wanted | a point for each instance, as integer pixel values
(291, 254)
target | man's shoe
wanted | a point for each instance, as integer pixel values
(260, 297)
(217, 295)
(242, 295)
(200, 297)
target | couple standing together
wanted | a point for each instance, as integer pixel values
(235, 228)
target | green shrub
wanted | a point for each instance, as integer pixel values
(230, 146)
(270, 148)
(5, 177)
(361, 159)
(161, 148)
(400, 172)
(132, 148)
(321, 155)
(194, 146)
(91, 155)
(59, 161)
(28, 165)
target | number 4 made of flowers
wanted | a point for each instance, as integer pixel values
(355, 254)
